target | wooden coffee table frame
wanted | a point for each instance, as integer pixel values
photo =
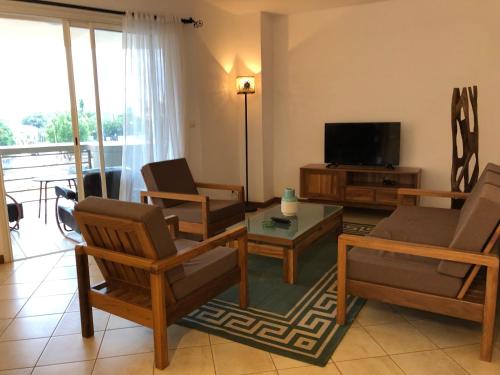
(289, 250)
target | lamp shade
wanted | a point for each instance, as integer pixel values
(245, 85)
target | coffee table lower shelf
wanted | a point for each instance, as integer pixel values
(289, 250)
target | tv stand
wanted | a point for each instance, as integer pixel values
(357, 186)
(332, 165)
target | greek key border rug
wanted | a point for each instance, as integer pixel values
(298, 322)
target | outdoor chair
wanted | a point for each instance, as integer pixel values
(151, 277)
(434, 259)
(67, 198)
(171, 186)
(15, 212)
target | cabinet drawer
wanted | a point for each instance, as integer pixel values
(387, 196)
(359, 194)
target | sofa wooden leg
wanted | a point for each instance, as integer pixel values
(159, 320)
(86, 317)
(341, 281)
(243, 264)
(490, 300)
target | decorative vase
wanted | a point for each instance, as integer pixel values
(289, 203)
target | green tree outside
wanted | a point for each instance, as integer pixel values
(37, 120)
(6, 136)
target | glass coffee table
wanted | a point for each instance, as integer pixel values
(313, 221)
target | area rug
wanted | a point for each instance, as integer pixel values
(297, 321)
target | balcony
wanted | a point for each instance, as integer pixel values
(23, 168)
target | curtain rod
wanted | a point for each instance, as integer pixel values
(190, 20)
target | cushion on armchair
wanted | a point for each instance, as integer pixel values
(218, 209)
(172, 176)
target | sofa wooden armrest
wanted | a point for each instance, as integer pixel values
(428, 251)
(172, 222)
(402, 192)
(174, 196)
(208, 185)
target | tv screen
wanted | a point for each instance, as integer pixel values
(367, 143)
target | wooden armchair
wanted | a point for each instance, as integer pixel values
(149, 278)
(172, 187)
(430, 259)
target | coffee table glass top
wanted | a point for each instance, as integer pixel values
(308, 215)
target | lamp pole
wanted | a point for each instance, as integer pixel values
(248, 206)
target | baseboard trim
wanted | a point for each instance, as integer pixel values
(267, 203)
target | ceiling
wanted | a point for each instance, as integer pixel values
(283, 6)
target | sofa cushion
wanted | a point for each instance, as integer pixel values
(204, 268)
(400, 271)
(219, 209)
(172, 176)
(479, 217)
(424, 225)
(490, 175)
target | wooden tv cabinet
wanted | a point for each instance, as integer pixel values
(352, 186)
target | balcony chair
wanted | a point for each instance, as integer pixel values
(171, 187)
(15, 212)
(151, 277)
(67, 198)
(434, 259)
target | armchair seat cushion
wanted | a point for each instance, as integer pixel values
(401, 271)
(423, 225)
(219, 210)
(65, 214)
(204, 268)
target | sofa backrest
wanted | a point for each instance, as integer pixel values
(172, 176)
(478, 219)
(132, 228)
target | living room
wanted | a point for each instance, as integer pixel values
(307, 64)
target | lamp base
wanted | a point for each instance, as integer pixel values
(249, 207)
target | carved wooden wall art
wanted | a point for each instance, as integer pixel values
(465, 162)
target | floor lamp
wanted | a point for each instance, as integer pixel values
(245, 86)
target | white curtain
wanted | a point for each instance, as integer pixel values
(154, 118)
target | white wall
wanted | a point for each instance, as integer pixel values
(390, 61)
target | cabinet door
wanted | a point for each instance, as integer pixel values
(321, 185)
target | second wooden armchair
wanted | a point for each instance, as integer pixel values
(170, 185)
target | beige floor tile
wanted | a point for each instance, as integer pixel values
(75, 368)
(66, 261)
(468, 358)
(126, 341)
(56, 287)
(281, 362)
(236, 358)
(266, 373)
(433, 362)
(136, 364)
(449, 332)
(4, 323)
(375, 312)
(20, 354)
(62, 273)
(329, 369)
(74, 305)
(214, 340)
(115, 322)
(182, 337)
(195, 360)
(17, 291)
(70, 348)
(399, 338)
(10, 308)
(32, 327)
(357, 344)
(70, 323)
(20, 371)
(413, 314)
(46, 305)
(369, 366)
(25, 276)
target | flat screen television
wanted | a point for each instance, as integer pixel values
(364, 143)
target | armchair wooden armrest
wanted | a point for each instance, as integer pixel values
(172, 222)
(428, 251)
(174, 196)
(239, 234)
(431, 193)
(207, 185)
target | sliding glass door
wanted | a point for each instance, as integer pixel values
(52, 130)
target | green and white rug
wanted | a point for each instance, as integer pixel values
(296, 321)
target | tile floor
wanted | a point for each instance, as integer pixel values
(40, 334)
